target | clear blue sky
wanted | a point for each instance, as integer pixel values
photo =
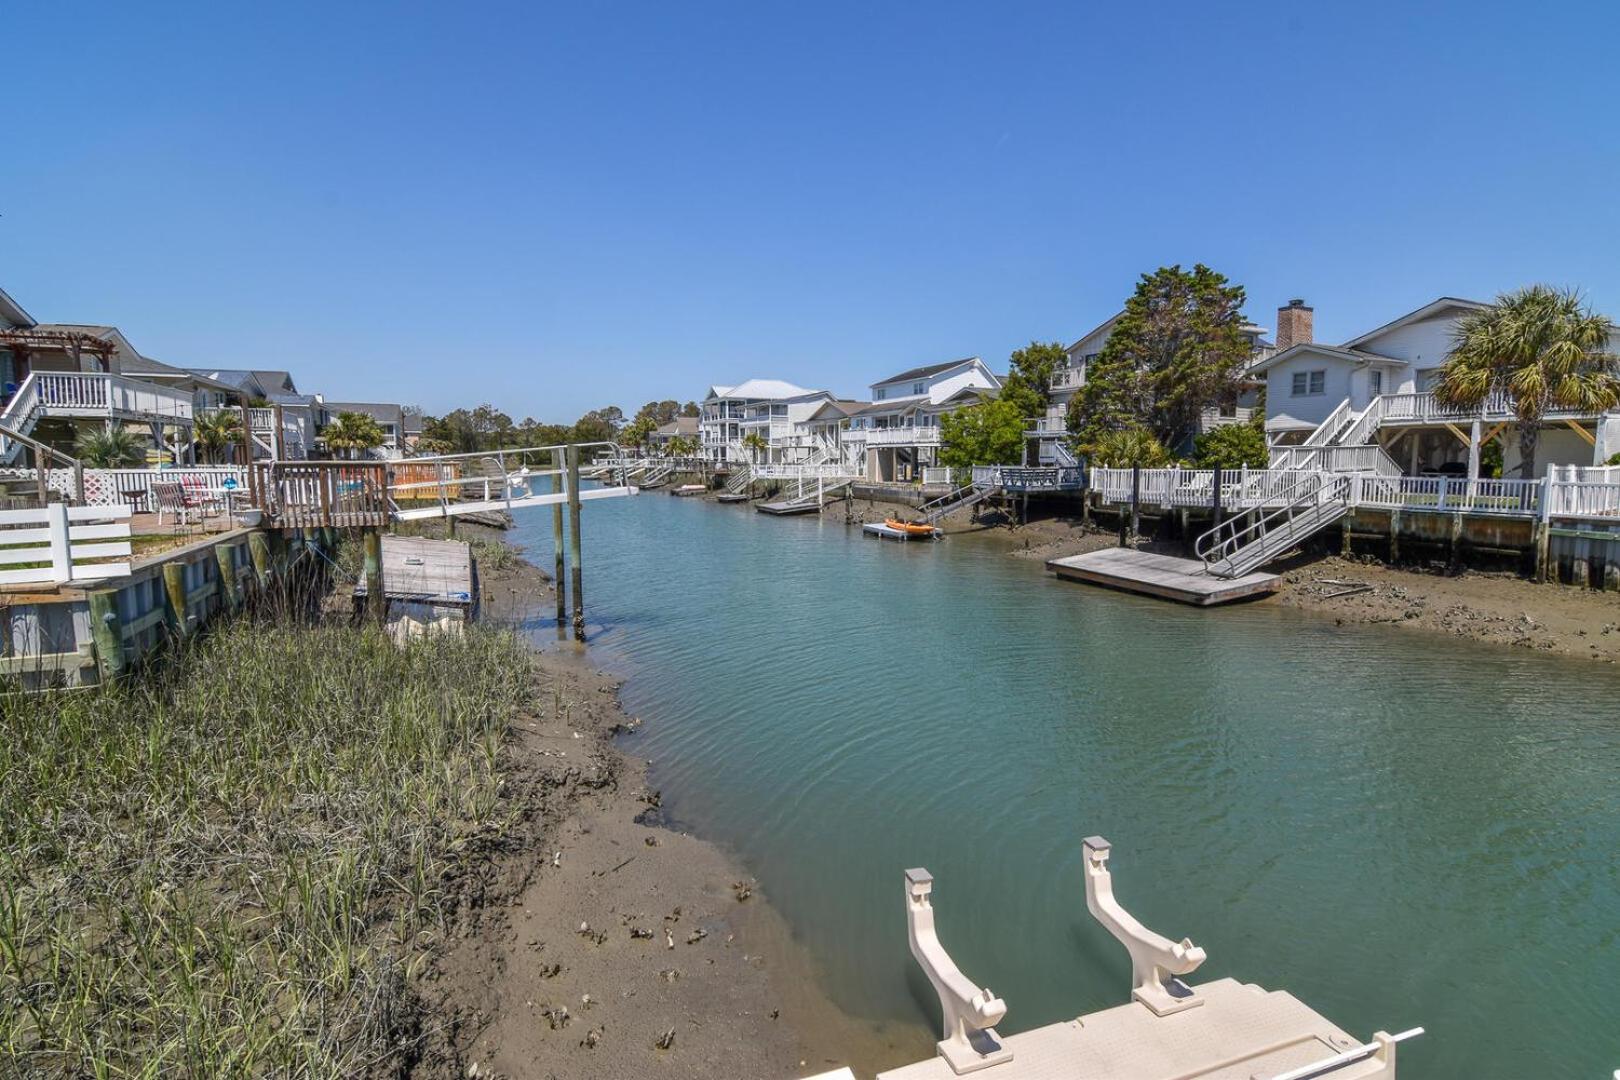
(559, 206)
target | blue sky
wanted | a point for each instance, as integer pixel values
(556, 207)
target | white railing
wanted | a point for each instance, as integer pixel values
(1067, 379)
(1029, 478)
(1426, 408)
(781, 471)
(64, 540)
(932, 475)
(902, 436)
(1046, 426)
(1369, 458)
(1586, 499)
(855, 435)
(1327, 429)
(1445, 494)
(132, 487)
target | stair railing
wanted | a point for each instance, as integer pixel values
(1221, 544)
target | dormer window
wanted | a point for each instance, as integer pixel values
(919, 388)
(882, 392)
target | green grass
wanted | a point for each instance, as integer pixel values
(238, 867)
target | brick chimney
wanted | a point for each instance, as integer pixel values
(1293, 325)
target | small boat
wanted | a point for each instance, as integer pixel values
(689, 489)
(910, 528)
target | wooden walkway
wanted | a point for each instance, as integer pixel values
(1163, 576)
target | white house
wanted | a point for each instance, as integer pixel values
(779, 412)
(1051, 430)
(1376, 391)
(899, 430)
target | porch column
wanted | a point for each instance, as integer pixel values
(1473, 451)
(1415, 438)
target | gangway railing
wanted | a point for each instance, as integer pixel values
(1232, 548)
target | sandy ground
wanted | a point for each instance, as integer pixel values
(607, 944)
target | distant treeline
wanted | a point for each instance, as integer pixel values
(488, 428)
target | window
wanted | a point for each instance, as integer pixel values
(778, 410)
(1309, 382)
(882, 392)
(919, 388)
(1375, 381)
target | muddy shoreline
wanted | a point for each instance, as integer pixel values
(606, 942)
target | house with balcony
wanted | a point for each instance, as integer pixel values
(897, 435)
(682, 427)
(57, 379)
(1050, 432)
(778, 412)
(1368, 403)
(389, 416)
(266, 391)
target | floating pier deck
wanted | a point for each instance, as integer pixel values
(889, 532)
(1163, 576)
(782, 509)
(732, 497)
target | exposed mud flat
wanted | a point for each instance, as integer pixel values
(606, 942)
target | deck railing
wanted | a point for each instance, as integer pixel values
(918, 435)
(344, 494)
(1369, 458)
(1029, 478)
(1445, 494)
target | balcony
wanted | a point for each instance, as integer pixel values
(89, 395)
(895, 436)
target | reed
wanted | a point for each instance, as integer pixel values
(236, 866)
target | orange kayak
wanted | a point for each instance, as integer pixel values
(912, 527)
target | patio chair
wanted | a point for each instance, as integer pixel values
(171, 499)
(200, 498)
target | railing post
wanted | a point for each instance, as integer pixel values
(56, 523)
(574, 542)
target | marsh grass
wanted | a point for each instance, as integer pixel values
(236, 865)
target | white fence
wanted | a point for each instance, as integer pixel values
(60, 544)
(1371, 459)
(131, 487)
(1248, 489)
(932, 475)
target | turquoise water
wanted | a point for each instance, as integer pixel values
(1401, 830)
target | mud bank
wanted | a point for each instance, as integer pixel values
(606, 942)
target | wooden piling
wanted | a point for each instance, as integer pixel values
(174, 586)
(1394, 536)
(376, 599)
(1344, 535)
(259, 550)
(1136, 500)
(558, 577)
(107, 632)
(1543, 544)
(574, 543)
(230, 590)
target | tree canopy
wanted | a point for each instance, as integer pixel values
(1542, 348)
(1177, 349)
(1029, 380)
(1126, 447)
(990, 433)
(354, 432)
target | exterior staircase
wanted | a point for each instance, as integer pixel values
(1309, 505)
(960, 499)
(739, 479)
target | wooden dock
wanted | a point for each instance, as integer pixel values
(1164, 576)
(782, 509)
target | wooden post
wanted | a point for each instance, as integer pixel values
(1136, 500)
(259, 549)
(42, 467)
(107, 632)
(56, 524)
(376, 599)
(1216, 485)
(230, 591)
(1394, 536)
(275, 436)
(1344, 534)
(557, 578)
(574, 543)
(247, 458)
(174, 585)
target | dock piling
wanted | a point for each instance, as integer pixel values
(558, 582)
(376, 599)
(574, 542)
(107, 632)
(174, 585)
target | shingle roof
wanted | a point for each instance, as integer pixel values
(378, 410)
(925, 371)
(681, 425)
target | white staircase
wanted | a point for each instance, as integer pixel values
(960, 499)
(739, 479)
(1064, 456)
(1308, 505)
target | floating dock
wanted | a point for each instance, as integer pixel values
(1165, 576)
(688, 490)
(889, 532)
(732, 497)
(782, 509)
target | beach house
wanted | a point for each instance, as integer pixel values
(897, 436)
(1370, 402)
(777, 411)
(59, 379)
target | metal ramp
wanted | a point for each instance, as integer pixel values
(739, 479)
(502, 480)
(960, 499)
(1233, 549)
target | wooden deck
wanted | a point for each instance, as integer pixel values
(784, 508)
(1163, 576)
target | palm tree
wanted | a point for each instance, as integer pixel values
(1131, 446)
(1543, 348)
(217, 432)
(110, 448)
(755, 443)
(681, 446)
(357, 433)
